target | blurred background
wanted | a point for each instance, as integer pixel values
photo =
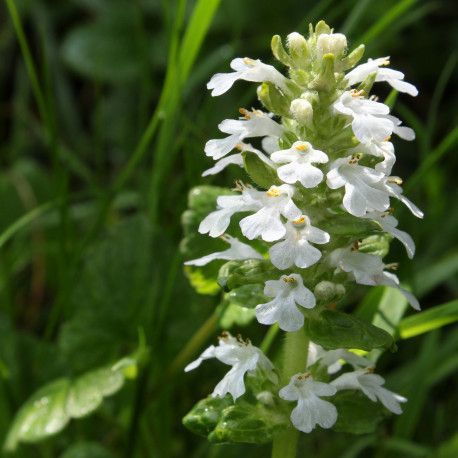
(104, 116)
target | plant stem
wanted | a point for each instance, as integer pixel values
(294, 361)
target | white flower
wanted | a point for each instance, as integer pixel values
(368, 116)
(361, 193)
(217, 222)
(389, 224)
(287, 292)
(237, 159)
(267, 222)
(393, 77)
(310, 410)
(237, 251)
(383, 149)
(332, 358)
(368, 270)
(243, 357)
(296, 249)
(249, 70)
(334, 43)
(371, 385)
(300, 157)
(253, 124)
(391, 185)
(406, 133)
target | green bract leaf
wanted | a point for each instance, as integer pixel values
(332, 330)
(50, 409)
(251, 271)
(247, 296)
(261, 173)
(357, 413)
(378, 244)
(249, 420)
(274, 100)
(236, 315)
(349, 225)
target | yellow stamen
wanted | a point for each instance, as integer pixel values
(300, 220)
(248, 61)
(370, 370)
(273, 192)
(395, 180)
(355, 93)
(387, 139)
(244, 112)
(289, 279)
(239, 147)
(301, 147)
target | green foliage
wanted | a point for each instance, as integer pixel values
(332, 329)
(50, 409)
(260, 172)
(357, 414)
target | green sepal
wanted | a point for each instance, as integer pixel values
(367, 84)
(274, 99)
(378, 244)
(234, 274)
(349, 225)
(333, 330)
(260, 172)
(352, 59)
(357, 413)
(322, 27)
(279, 51)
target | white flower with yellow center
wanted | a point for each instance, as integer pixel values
(369, 117)
(361, 190)
(243, 357)
(393, 77)
(249, 70)
(310, 410)
(383, 149)
(267, 222)
(299, 159)
(288, 293)
(371, 385)
(296, 249)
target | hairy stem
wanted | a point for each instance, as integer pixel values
(294, 361)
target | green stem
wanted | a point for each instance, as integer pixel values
(295, 353)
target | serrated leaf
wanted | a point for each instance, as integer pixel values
(50, 409)
(357, 413)
(260, 172)
(333, 330)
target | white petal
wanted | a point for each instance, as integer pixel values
(236, 159)
(281, 310)
(218, 148)
(207, 354)
(404, 86)
(265, 223)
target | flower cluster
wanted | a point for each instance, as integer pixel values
(327, 143)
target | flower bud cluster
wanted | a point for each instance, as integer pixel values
(327, 141)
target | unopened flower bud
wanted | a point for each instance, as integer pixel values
(298, 49)
(334, 43)
(325, 290)
(302, 110)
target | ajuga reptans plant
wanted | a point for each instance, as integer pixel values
(315, 220)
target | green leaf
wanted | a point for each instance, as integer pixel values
(357, 413)
(274, 100)
(343, 224)
(234, 274)
(261, 173)
(247, 296)
(248, 420)
(107, 49)
(50, 409)
(428, 320)
(332, 330)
